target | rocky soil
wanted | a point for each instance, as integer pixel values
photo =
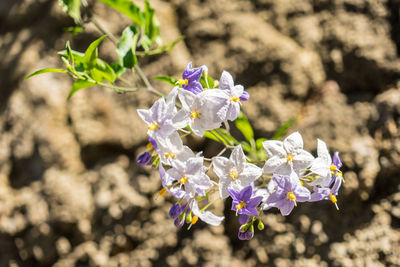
(71, 193)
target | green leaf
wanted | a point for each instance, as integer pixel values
(282, 130)
(151, 24)
(118, 69)
(167, 79)
(72, 8)
(127, 8)
(91, 52)
(207, 82)
(44, 71)
(259, 142)
(244, 126)
(102, 71)
(246, 147)
(79, 84)
(209, 135)
(127, 46)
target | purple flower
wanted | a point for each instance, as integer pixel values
(176, 210)
(153, 143)
(287, 192)
(327, 193)
(144, 159)
(243, 203)
(191, 79)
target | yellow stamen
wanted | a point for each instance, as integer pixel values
(333, 168)
(195, 219)
(153, 126)
(289, 158)
(149, 146)
(194, 114)
(233, 175)
(170, 155)
(183, 180)
(235, 99)
(292, 197)
(332, 198)
(183, 82)
(241, 205)
(162, 192)
(301, 182)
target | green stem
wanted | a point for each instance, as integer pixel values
(209, 204)
(120, 89)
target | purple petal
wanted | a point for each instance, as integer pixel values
(194, 86)
(336, 185)
(144, 159)
(234, 194)
(243, 218)
(286, 207)
(245, 96)
(246, 193)
(336, 160)
(249, 211)
(254, 202)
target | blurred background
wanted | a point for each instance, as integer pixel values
(71, 193)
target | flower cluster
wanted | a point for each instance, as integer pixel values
(290, 174)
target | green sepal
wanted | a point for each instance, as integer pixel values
(46, 70)
(167, 79)
(207, 82)
(78, 85)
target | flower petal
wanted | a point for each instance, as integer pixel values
(207, 216)
(293, 144)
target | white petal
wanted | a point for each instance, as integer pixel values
(187, 99)
(302, 160)
(226, 81)
(249, 174)
(293, 144)
(322, 181)
(272, 163)
(273, 147)
(223, 187)
(221, 166)
(238, 158)
(145, 115)
(320, 167)
(181, 119)
(323, 152)
(233, 111)
(207, 216)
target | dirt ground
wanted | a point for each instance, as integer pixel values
(71, 193)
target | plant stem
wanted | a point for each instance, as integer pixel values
(209, 204)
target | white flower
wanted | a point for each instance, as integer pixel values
(158, 117)
(172, 148)
(234, 172)
(191, 175)
(321, 165)
(232, 93)
(287, 155)
(198, 111)
(207, 216)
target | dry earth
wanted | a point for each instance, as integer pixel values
(71, 193)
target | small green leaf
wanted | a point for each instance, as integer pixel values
(206, 81)
(127, 46)
(282, 130)
(118, 69)
(79, 84)
(244, 126)
(209, 135)
(102, 71)
(72, 8)
(167, 79)
(259, 142)
(91, 52)
(44, 71)
(151, 24)
(246, 147)
(127, 8)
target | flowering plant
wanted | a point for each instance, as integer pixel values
(258, 175)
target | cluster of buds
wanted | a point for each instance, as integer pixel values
(289, 175)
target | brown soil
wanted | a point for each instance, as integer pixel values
(71, 193)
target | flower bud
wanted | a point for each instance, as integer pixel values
(144, 159)
(175, 211)
(260, 225)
